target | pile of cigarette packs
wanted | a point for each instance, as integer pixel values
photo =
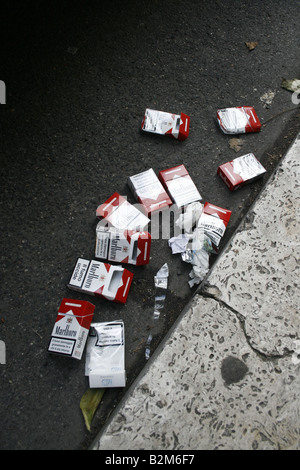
(122, 238)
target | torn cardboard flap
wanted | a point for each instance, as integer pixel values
(240, 171)
(238, 120)
(149, 191)
(122, 246)
(160, 122)
(180, 185)
(119, 213)
(71, 328)
(101, 280)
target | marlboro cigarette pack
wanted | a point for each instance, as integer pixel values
(71, 328)
(240, 171)
(105, 355)
(149, 191)
(213, 222)
(239, 120)
(160, 122)
(122, 246)
(101, 280)
(119, 213)
(180, 185)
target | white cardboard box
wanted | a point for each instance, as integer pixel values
(105, 355)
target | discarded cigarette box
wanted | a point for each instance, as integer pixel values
(160, 122)
(180, 185)
(71, 328)
(240, 171)
(213, 222)
(238, 120)
(149, 191)
(119, 213)
(122, 246)
(105, 355)
(101, 280)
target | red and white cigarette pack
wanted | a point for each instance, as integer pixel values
(180, 185)
(149, 191)
(71, 328)
(122, 246)
(101, 280)
(160, 122)
(238, 120)
(119, 213)
(241, 170)
(213, 221)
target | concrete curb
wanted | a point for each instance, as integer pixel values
(227, 375)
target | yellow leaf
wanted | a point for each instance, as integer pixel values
(89, 404)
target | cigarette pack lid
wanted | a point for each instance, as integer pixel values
(217, 211)
(238, 120)
(160, 122)
(119, 213)
(81, 309)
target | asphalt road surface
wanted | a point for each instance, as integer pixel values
(78, 77)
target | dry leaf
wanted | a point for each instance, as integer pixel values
(291, 85)
(267, 98)
(251, 45)
(89, 404)
(236, 144)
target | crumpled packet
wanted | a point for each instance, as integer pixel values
(197, 254)
(178, 244)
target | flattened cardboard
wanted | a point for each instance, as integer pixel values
(238, 120)
(160, 122)
(100, 279)
(149, 191)
(180, 185)
(245, 169)
(71, 328)
(122, 246)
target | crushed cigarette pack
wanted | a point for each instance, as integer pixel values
(119, 213)
(122, 246)
(101, 280)
(105, 355)
(213, 222)
(238, 120)
(149, 191)
(71, 328)
(241, 170)
(160, 122)
(180, 185)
